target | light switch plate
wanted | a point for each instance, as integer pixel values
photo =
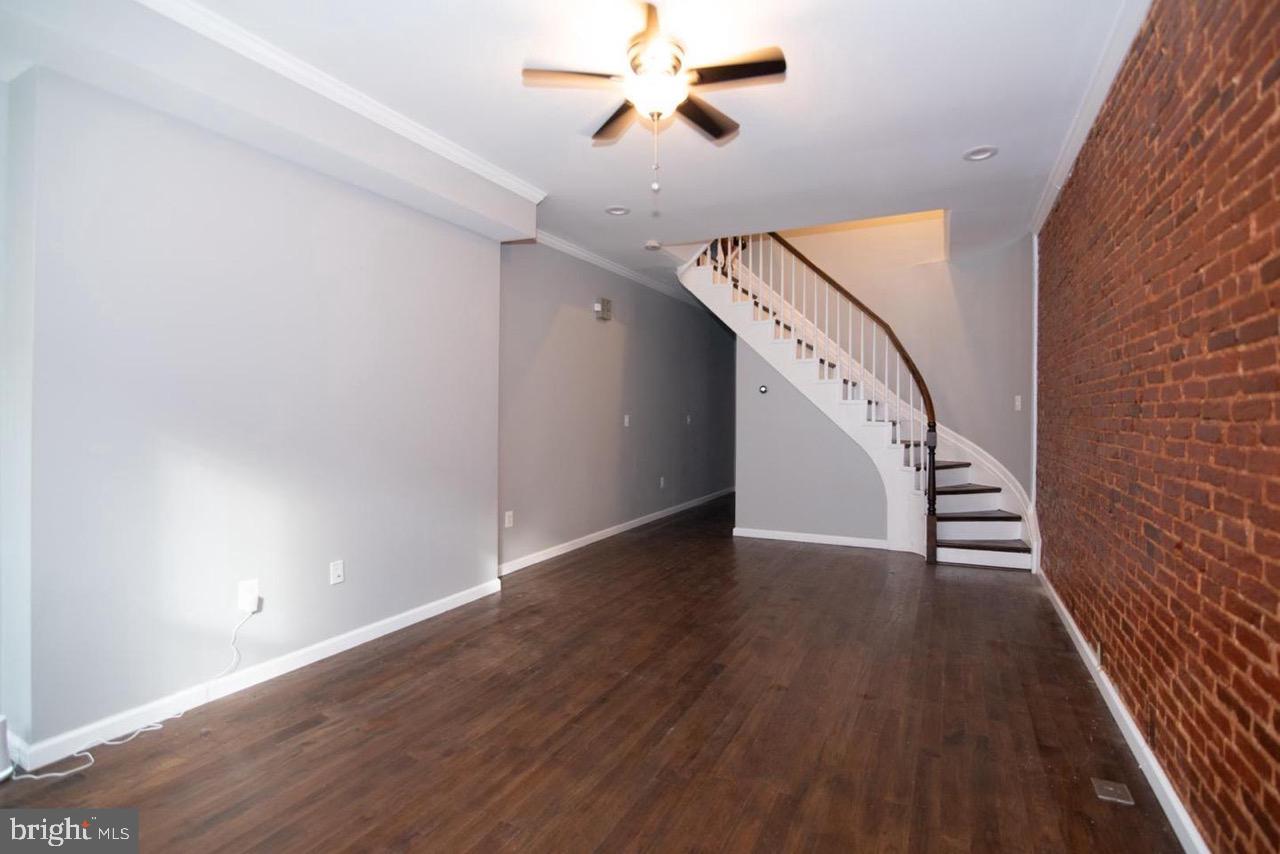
(337, 572)
(509, 519)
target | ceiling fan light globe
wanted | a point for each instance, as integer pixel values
(656, 94)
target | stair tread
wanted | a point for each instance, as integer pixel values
(987, 545)
(967, 489)
(980, 516)
(944, 465)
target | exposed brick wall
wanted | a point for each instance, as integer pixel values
(1159, 403)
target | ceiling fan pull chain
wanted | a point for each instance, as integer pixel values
(655, 186)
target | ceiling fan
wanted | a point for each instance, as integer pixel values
(658, 82)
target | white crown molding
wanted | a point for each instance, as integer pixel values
(570, 248)
(1124, 28)
(232, 36)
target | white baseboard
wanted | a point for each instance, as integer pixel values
(510, 566)
(1174, 810)
(54, 748)
(18, 751)
(821, 539)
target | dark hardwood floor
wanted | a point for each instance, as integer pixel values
(669, 689)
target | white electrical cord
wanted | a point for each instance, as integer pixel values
(235, 651)
(151, 727)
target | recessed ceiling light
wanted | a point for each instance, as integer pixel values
(617, 210)
(652, 244)
(982, 152)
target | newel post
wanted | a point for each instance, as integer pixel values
(931, 520)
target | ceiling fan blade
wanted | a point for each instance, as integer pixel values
(615, 124)
(761, 63)
(556, 77)
(709, 120)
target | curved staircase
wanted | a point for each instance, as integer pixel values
(946, 498)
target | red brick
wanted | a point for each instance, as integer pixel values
(1158, 455)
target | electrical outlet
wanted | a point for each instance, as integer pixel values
(626, 421)
(247, 599)
(1017, 403)
(337, 571)
(688, 419)
(509, 519)
(662, 482)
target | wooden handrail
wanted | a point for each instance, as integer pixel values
(728, 246)
(888, 330)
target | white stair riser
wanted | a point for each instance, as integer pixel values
(954, 477)
(1011, 530)
(759, 333)
(801, 372)
(978, 501)
(826, 393)
(715, 296)
(881, 434)
(1007, 560)
(744, 311)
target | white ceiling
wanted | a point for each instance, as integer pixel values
(880, 100)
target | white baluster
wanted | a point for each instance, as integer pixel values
(840, 342)
(804, 304)
(911, 432)
(791, 282)
(769, 265)
(874, 378)
(862, 352)
(826, 322)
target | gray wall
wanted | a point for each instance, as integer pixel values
(967, 323)
(242, 369)
(16, 297)
(568, 466)
(797, 471)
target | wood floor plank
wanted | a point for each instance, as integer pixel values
(671, 688)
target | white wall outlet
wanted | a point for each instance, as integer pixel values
(337, 571)
(688, 419)
(626, 421)
(662, 482)
(247, 599)
(1017, 403)
(509, 519)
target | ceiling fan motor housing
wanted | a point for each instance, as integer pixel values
(653, 53)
